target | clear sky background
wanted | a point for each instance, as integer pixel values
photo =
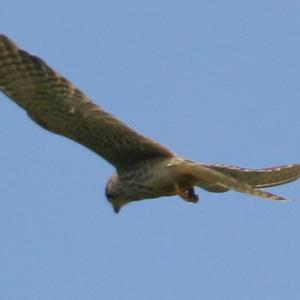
(216, 81)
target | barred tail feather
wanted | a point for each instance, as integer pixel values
(260, 178)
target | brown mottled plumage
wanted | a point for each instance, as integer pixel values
(145, 169)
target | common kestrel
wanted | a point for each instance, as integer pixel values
(144, 168)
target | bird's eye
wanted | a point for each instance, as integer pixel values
(109, 195)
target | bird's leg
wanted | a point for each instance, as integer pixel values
(187, 193)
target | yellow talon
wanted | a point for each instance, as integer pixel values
(186, 193)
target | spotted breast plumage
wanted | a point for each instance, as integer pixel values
(144, 168)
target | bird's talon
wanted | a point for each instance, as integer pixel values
(187, 194)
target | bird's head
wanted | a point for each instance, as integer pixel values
(116, 193)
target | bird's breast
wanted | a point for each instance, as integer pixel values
(149, 179)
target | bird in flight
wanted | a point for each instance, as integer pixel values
(144, 168)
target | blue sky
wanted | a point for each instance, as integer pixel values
(216, 81)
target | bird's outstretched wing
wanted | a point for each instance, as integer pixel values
(57, 105)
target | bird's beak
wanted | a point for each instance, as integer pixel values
(116, 208)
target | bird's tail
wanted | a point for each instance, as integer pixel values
(260, 178)
(220, 178)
